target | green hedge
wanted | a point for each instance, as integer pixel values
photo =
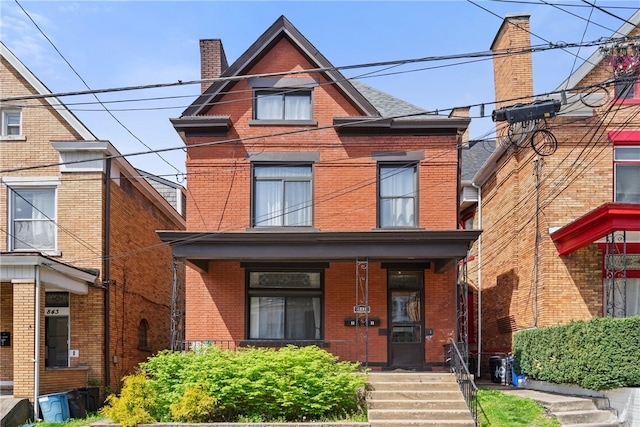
(598, 354)
(257, 384)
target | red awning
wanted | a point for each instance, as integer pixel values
(596, 224)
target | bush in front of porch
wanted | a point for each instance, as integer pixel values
(596, 354)
(210, 384)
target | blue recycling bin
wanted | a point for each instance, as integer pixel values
(515, 378)
(54, 408)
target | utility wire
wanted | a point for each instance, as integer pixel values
(485, 54)
(88, 88)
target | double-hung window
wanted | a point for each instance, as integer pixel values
(11, 123)
(285, 305)
(284, 104)
(33, 218)
(627, 174)
(397, 195)
(283, 101)
(282, 195)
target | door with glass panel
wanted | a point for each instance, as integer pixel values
(406, 324)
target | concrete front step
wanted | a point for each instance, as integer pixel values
(414, 395)
(417, 414)
(586, 417)
(421, 377)
(422, 423)
(406, 386)
(458, 404)
(416, 399)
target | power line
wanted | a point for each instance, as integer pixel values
(539, 48)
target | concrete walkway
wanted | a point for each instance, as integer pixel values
(570, 411)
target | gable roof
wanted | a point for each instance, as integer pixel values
(280, 29)
(55, 103)
(474, 155)
(591, 62)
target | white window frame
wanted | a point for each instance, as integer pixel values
(624, 163)
(5, 131)
(14, 186)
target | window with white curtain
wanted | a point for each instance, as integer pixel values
(33, 218)
(282, 195)
(633, 297)
(397, 195)
(285, 305)
(283, 105)
(627, 174)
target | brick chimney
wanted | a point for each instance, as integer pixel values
(213, 61)
(513, 72)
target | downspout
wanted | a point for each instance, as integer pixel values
(36, 356)
(479, 270)
(106, 271)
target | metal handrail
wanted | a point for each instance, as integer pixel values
(465, 379)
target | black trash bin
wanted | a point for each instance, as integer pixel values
(498, 369)
(90, 397)
(76, 405)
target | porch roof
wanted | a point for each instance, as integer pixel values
(596, 224)
(443, 247)
(55, 275)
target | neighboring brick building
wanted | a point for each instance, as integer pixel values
(83, 273)
(553, 221)
(313, 198)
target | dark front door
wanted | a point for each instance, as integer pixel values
(406, 324)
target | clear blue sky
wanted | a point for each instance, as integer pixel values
(127, 43)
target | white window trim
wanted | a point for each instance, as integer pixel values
(13, 183)
(4, 132)
(617, 162)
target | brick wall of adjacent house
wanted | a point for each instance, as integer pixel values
(141, 274)
(141, 265)
(344, 192)
(517, 292)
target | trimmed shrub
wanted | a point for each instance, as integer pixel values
(210, 384)
(598, 354)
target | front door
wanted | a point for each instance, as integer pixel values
(406, 324)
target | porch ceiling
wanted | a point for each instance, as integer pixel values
(596, 224)
(441, 247)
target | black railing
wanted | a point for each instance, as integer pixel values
(345, 350)
(464, 378)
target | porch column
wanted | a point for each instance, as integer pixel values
(23, 337)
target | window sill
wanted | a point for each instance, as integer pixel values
(144, 348)
(255, 122)
(13, 138)
(66, 368)
(283, 229)
(47, 252)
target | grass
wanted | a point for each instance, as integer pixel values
(497, 409)
(92, 418)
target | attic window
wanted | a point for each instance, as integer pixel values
(283, 101)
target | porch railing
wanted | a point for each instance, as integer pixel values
(345, 350)
(464, 378)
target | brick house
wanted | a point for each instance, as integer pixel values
(560, 219)
(321, 210)
(86, 284)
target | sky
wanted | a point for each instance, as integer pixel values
(75, 45)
